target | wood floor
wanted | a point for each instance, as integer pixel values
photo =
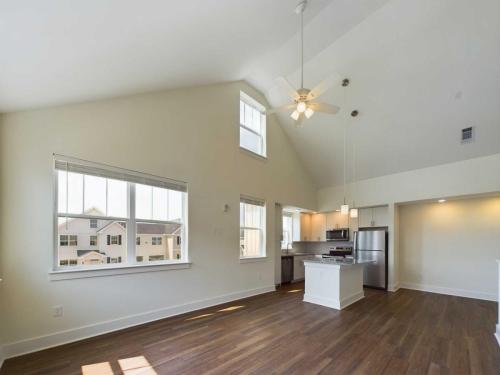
(407, 332)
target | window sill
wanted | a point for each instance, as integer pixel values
(112, 271)
(253, 259)
(253, 154)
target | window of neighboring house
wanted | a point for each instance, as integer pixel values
(252, 228)
(156, 258)
(63, 240)
(91, 194)
(139, 258)
(286, 243)
(156, 241)
(252, 125)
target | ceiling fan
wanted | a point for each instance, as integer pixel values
(303, 99)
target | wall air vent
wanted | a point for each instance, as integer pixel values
(467, 135)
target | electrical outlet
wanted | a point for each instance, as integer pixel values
(57, 311)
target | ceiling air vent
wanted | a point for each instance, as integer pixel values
(468, 135)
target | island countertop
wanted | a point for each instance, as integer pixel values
(338, 263)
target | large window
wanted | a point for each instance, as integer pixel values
(286, 243)
(107, 215)
(252, 125)
(252, 228)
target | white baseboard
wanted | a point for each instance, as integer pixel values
(2, 356)
(394, 287)
(451, 291)
(334, 303)
(34, 344)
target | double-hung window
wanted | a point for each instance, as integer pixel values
(115, 208)
(286, 243)
(252, 228)
(252, 125)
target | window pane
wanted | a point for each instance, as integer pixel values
(91, 246)
(256, 121)
(175, 199)
(250, 242)
(250, 141)
(75, 193)
(248, 116)
(252, 215)
(143, 201)
(61, 192)
(117, 198)
(158, 242)
(242, 112)
(95, 195)
(160, 203)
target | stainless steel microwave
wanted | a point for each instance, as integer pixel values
(341, 234)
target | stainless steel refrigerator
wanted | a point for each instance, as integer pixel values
(371, 244)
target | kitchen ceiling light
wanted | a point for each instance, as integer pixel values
(295, 115)
(354, 213)
(301, 107)
(309, 112)
(442, 200)
(344, 209)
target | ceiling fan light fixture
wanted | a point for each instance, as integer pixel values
(309, 112)
(301, 107)
(295, 115)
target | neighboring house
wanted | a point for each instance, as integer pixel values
(93, 241)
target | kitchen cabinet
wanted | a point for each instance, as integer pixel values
(373, 217)
(318, 227)
(305, 227)
(287, 272)
(335, 220)
(298, 266)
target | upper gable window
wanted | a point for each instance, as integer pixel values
(252, 125)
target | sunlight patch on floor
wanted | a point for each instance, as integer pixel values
(199, 316)
(295, 290)
(103, 368)
(231, 308)
(136, 366)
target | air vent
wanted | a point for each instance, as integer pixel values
(468, 135)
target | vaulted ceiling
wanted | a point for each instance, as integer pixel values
(420, 71)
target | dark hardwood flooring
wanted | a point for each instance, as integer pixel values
(407, 332)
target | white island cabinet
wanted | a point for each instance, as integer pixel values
(335, 284)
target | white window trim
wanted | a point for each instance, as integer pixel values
(244, 97)
(263, 245)
(290, 215)
(112, 270)
(132, 266)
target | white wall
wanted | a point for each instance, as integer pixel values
(464, 178)
(190, 135)
(451, 247)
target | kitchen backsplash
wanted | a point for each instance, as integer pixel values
(318, 247)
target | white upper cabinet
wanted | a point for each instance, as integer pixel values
(305, 227)
(318, 227)
(373, 217)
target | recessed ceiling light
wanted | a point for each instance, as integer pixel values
(442, 200)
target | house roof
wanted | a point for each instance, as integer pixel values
(82, 253)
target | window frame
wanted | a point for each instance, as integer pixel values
(130, 265)
(263, 248)
(248, 100)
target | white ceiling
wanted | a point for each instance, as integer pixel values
(420, 70)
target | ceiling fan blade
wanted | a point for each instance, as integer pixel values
(323, 86)
(324, 107)
(279, 109)
(287, 87)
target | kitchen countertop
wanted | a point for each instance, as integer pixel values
(338, 263)
(297, 254)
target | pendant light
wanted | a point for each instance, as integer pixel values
(344, 209)
(354, 210)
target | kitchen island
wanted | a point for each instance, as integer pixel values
(333, 283)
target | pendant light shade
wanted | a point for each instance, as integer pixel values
(354, 213)
(344, 209)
